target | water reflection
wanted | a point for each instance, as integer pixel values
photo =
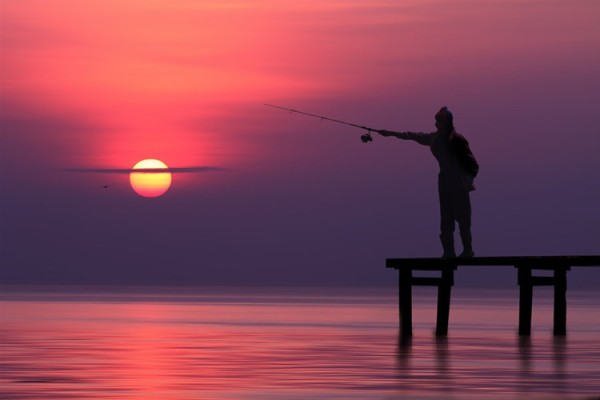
(544, 361)
(441, 357)
(254, 348)
(485, 362)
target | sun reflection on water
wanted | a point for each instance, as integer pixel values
(321, 347)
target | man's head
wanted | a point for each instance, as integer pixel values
(444, 120)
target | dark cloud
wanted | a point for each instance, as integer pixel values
(173, 170)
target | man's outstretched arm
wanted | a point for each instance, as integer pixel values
(419, 137)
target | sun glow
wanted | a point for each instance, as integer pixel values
(151, 183)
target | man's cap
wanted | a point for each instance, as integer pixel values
(444, 115)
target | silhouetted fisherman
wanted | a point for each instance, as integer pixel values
(458, 169)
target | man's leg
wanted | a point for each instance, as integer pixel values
(447, 222)
(463, 216)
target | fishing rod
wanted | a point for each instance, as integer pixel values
(365, 138)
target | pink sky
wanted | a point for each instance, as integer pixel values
(99, 84)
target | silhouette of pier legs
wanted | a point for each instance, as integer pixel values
(405, 301)
(525, 300)
(526, 283)
(443, 305)
(444, 284)
(559, 265)
(560, 301)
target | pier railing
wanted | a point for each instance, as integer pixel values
(526, 280)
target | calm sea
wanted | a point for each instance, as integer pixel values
(278, 343)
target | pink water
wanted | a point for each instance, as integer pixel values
(228, 343)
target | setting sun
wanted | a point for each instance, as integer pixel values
(150, 181)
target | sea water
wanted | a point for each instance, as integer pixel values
(289, 343)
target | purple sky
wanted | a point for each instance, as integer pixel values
(103, 85)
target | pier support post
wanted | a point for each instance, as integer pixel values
(525, 300)
(560, 301)
(443, 305)
(405, 301)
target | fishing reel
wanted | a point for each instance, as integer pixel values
(366, 137)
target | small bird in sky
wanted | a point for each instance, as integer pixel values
(105, 186)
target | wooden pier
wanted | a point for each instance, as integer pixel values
(526, 280)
